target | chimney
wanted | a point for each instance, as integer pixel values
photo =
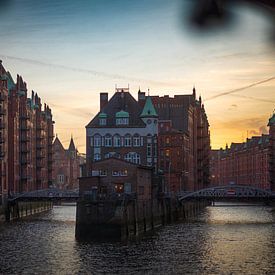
(141, 98)
(103, 100)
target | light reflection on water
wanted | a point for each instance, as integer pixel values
(222, 240)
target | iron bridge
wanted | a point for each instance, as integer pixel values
(46, 194)
(236, 192)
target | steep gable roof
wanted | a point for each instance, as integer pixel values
(149, 109)
(72, 146)
(119, 101)
(57, 144)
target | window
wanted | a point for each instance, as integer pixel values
(120, 173)
(128, 157)
(108, 141)
(103, 173)
(97, 141)
(97, 157)
(60, 179)
(149, 150)
(132, 157)
(136, 158)
(102, 121)
(122, 121)
(117, 141)
(167, 153)
(115, 173)
(128, 141)
(136, 141)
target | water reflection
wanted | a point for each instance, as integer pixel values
(222, 240)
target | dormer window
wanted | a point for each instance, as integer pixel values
(102, 119)
(122, 118)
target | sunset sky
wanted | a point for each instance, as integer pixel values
(70, 51)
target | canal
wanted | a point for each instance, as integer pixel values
(222, 240)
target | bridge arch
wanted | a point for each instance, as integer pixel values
(228, 191)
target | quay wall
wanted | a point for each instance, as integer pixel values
(21, 209)
(123, 219)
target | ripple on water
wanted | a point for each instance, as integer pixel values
(211, 244)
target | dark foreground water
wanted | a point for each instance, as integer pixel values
(222, 240)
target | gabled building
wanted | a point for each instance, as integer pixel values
(123, 128)
(66, 165)
(246, 163)
(26, 134)
(170, 134)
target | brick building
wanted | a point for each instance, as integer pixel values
(116, 176)
(66, 165)
(168, 134)
(26, 136)
(184, 141)
(247, 163)
(124, 129)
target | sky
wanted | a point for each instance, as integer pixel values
(69, 51)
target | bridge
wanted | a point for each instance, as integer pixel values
(46, 194)
(229, 192)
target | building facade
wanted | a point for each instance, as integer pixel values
(169, 134)
(247, 163)
(26, 137)
(184, 141)
(66, 165)
(115, 176)
(123, 129)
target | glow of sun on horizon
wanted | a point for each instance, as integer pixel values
(69, 53)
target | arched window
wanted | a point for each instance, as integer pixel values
(117, 141)
(108, 140)
(136, 140)
(128, 140)
(97, 140)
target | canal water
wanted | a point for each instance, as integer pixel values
(222, 240)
